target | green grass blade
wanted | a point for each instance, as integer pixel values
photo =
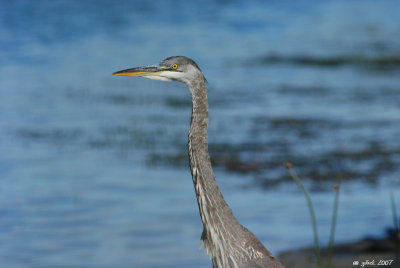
(312, 213)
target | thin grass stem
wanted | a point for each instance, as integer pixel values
(396, 227)
(312, 214)
(333, 222)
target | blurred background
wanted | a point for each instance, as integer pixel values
(94, 169)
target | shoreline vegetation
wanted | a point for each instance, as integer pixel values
(345, 254)
(366, 252)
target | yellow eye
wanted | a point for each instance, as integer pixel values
(174, 66)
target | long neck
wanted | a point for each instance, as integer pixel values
(219, 223)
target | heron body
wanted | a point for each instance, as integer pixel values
(227, 242)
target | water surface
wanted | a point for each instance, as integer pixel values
(93, 168)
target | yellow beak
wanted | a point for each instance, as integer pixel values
(140, 71)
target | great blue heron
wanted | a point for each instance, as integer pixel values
(227, 242)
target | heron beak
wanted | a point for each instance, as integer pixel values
(140, 71)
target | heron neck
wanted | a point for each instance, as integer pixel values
(213, 208)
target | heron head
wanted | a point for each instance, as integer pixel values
(176, 68)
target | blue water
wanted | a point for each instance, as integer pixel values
(93, 168)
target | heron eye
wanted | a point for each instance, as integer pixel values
(174, 66)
